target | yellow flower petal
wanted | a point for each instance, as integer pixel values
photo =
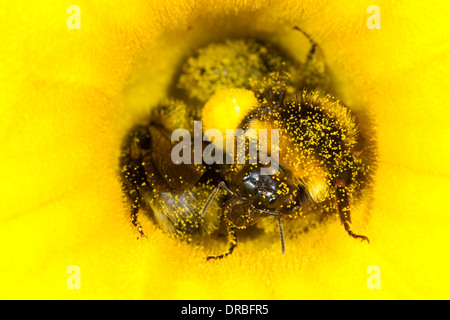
(68, 96)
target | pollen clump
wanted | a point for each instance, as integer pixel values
(231, 64)
(226, 108)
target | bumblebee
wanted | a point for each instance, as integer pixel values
(175, 193)
(320, 170)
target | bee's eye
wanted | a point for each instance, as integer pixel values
(261, 190)
(248, 188)
(268, 199)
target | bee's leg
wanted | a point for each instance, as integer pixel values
(315, 66)
(134, 179)
(233, 243)
(134, 176)
(134, 217)
(343, 206)
(313, 44)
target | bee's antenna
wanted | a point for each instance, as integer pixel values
(265, 211)
(280, 229)
(209, 200)
(214, 194)
(223, 185)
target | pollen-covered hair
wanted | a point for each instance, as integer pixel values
(317, 135)
(331, 108)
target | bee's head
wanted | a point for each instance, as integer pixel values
(257, 196)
